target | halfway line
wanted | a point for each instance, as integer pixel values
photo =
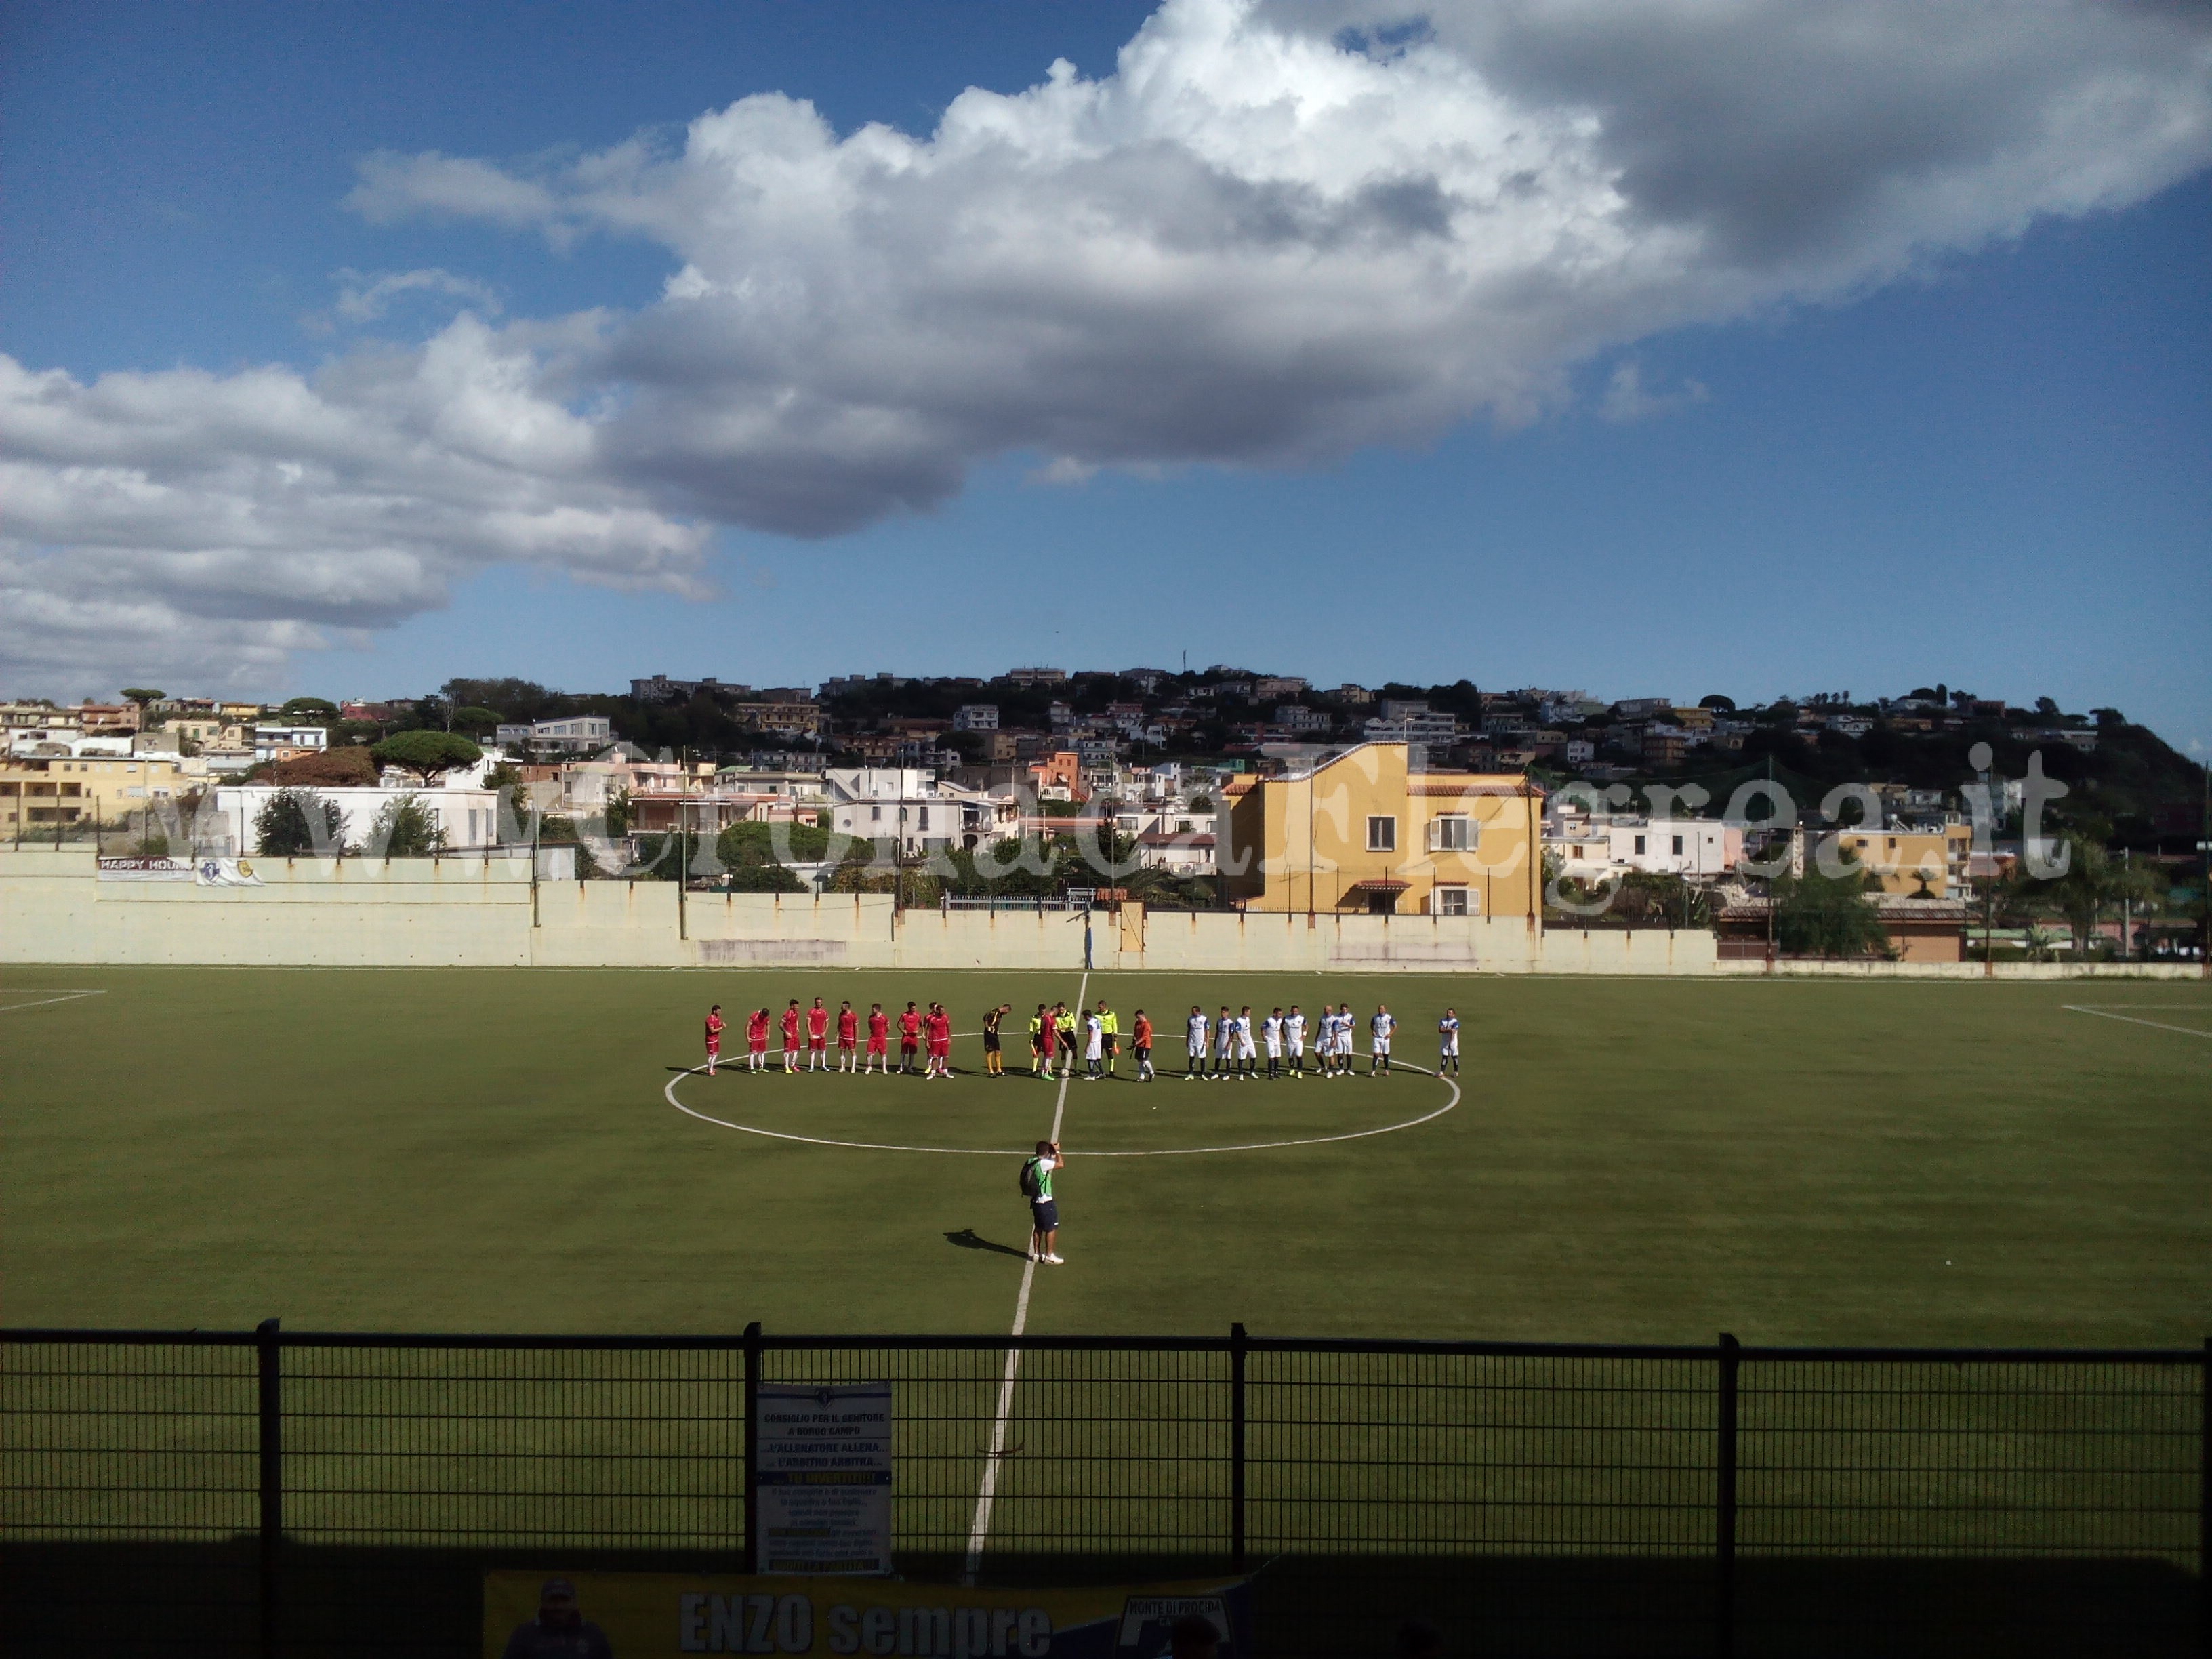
(2156, 1024)
(989, 1490)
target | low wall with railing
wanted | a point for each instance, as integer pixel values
(226, 1488)
(59, 905)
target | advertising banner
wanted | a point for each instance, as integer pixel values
(823, 1477)
(225, 872)
(646, 1616)
(145, 870)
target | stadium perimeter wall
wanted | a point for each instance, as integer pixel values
(55, 908)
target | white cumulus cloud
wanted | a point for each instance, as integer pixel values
(1274, 232)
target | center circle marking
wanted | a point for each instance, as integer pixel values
(669, 1092)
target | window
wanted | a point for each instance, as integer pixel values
(1678, 847)
(1382, 835)
(1449, 834)
(1639, 846)
(875, 814)
(924, 824)
(1452, 902)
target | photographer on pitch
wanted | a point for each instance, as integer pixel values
(1044, 1212)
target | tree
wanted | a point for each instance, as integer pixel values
(764, 879)
(296, 821)
(752, 845)
(619, 815)
(406, 829)
(508, 776)
(142, 695)
(426, 754)
(1823, 916)
(471, 718)
(309, 711)
(2093, 884)
(328, 768)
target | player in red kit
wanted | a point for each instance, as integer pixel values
(790, 1018)
(939, 1026)
(817, 1036)
(848, 1033)
(909, 1024)
(757, 1024)
(713, 1037)
(879, 1038)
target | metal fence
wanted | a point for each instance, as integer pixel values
(278, 1492)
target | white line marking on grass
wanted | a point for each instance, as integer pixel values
(2156, 1024)
(50, 997)
(1023, 1152)
(987, 1494)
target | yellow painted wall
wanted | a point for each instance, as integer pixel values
(1302, 843)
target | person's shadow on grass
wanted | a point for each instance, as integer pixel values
(967, 1239)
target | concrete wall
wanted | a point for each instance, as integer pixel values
(482, 913)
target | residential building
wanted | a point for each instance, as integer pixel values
(1296, 717)
(1363, 832)
(570, 734)
(790, 719)
(1059, 776)
(1696, 848)
(284, 742)
(1643, 709)
(1033, 676)
(1267, 687)
(1397, 722)
(42, 791)
(108, 719)
(976, 717)
(1929, 863)
(911, 808)
(1354, 695)
(1578, 751)
(658, 687)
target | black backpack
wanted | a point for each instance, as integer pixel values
(1031, 1186)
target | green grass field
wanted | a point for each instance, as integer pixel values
(1793, 1161)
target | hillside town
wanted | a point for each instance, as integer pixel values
(1189, 788)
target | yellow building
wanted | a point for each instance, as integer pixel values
(38, 792)
(1900, 860)
(1364, 833)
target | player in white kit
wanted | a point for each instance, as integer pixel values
(1271, 1039)
(1379, 1030)
(1248, 1054)
(1195, 1038)
(1224, 1044)
(1294, 1035)
(1448, 1043)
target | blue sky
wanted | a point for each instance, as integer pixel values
(1948, 420)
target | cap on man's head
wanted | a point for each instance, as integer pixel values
(556, 1591)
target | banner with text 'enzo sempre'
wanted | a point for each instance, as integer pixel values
(648, 1615)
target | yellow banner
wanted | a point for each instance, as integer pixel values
(646, 1616)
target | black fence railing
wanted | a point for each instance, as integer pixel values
(275, 1491)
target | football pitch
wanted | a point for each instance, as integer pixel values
(1793, 1161)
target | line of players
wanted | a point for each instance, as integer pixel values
(1229, 1041)
(925, 1037)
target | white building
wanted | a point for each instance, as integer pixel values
(1399, 721)
(909, 806)
(469, 817)
(1696, 847)
(976, 717)
(283, 742)
(572, 734)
